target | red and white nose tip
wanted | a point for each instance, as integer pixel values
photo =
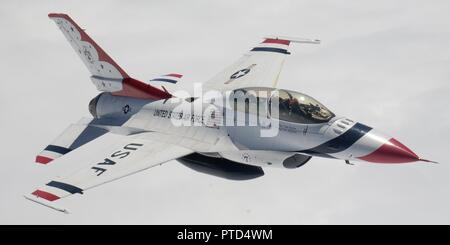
(391, 151)
(368, 144)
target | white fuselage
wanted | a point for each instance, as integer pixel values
(205, 127)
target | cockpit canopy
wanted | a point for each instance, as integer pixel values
(301, 108)
(293, 106)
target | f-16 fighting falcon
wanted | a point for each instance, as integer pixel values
(232, 126)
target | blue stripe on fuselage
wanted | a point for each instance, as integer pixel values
(342, 142)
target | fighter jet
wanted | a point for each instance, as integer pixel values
(234, 125)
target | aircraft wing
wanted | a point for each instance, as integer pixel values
(125, 155)
(260, 67)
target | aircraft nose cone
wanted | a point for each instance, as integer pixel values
(391, 152)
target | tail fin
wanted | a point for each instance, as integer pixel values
(107, 75)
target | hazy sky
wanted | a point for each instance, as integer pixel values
(384, 63)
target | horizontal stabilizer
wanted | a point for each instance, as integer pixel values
(169, 78)
(167, 82)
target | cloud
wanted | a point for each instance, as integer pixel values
(383, 63)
